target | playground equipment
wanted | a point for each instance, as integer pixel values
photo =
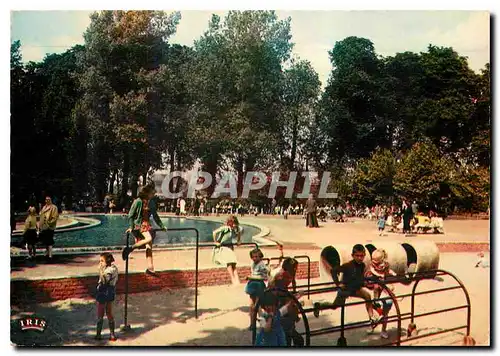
(398, 318)
(126, 326)
(413, 261)
(404, 258)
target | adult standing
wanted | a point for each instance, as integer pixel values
(311, 209)
(414, 208)
(407, 215)
(182, 207)
(47, 225)
(197, 206)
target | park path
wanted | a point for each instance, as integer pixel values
(297, 240)
(167, 318)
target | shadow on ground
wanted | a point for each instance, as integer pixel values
(73, 321)
(19, 263)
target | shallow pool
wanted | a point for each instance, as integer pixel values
(111, 232)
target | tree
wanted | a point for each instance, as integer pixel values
(301, 93)
(425, 175)
(444, 115)
(119, 44)
(373, 178)
(238, 89)
(42, 99)
(352, 108)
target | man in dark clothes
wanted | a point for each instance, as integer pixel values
(407, 216)
(352, 284)
(311, 211)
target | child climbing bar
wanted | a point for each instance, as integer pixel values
(380, 269)
(352, 285)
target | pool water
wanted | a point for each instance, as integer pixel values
(111, 232)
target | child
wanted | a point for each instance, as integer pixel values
(285, 275)
(482, 262)
(381, 225)
(271, 331)
(379, 268)
(256, 286)
(352, 283)
(389, 223)
(282, 280)
(223, 252)
(30, 232)
(140, 226)
(108, 276)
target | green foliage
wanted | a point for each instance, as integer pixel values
(425, 175)
(373, 177)
(413, 125)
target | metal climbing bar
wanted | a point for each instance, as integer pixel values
(287, 294)
(126, 326)
(461, 285)
(416, 277)
(197, 244)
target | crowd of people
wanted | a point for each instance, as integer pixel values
(277, 314)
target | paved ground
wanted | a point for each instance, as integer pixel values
(167, 317)
(60, 222)
(297, 240)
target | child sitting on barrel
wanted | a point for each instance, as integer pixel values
(352, 285)
(380, 269)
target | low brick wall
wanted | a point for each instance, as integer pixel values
(468, 217)
(48, 290)
(463, 246)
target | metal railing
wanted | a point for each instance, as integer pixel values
(416, 277)
(269, 259)
(126, 326)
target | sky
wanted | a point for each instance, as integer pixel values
(313, 32)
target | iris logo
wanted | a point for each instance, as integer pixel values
(33, 323)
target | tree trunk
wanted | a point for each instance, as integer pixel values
(172, 169)
(239, 170)
(101, 172)
(210, 166)
(178, 168)
(172, 159)
(293, 153)
(126, 174)
(112, 182)
(249, 166)
(134, 186)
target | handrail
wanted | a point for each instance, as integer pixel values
(288, 294)
(196, 267)
(399, 317)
